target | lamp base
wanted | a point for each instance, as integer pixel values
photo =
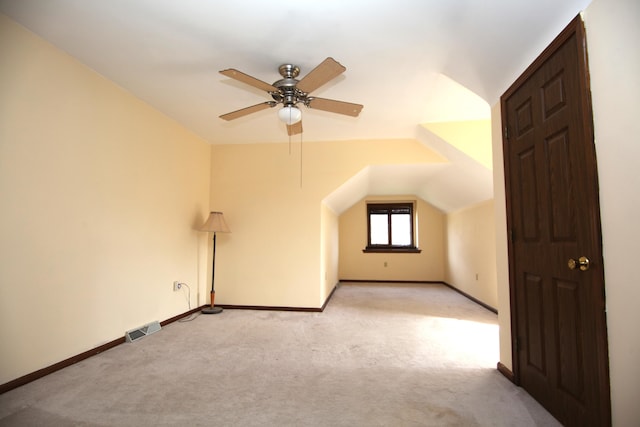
(212, 310)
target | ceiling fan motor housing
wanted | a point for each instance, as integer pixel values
(289, 71)
(287, 93)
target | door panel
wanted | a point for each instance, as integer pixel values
(528, 195)
(559, 324)
(534, 322)
(561, 219)
(570, 360)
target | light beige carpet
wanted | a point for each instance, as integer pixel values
(379, 355)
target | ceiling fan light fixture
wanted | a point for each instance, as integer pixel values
(290, 114)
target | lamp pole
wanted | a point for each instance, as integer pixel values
(214, 224)
(212, 309)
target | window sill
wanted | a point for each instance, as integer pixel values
(410, 250)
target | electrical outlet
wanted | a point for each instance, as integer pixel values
(177, 285)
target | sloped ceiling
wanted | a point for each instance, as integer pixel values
(449, 186)
(401, 57)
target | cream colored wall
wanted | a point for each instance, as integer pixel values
(279, 248)
(425, 266)
(329, 251)
(502, 249)
(614, 65)
(100, 195)
(471, 252)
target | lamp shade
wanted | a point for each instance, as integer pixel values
(215, 223)
(290, 115)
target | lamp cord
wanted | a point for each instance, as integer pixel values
(188, 295)
(194, 315)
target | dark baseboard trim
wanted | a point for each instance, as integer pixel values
(180, 316)
(57, 366)
(25, 379)
(477, 301)
(506, 372)
(333, 291)
(268, 308)
(279, 308)
(428, 282)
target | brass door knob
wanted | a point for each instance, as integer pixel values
(582, 263)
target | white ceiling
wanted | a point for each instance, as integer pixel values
(401, 56)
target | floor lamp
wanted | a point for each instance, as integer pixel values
(215, 223)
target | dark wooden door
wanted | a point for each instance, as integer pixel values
(558, 313)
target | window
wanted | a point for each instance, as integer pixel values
(390, 228)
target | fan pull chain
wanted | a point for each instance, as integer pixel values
(288, 132)
(301, 160)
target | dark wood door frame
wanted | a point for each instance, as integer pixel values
(575, 28)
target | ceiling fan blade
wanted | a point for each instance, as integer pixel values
(340, 107)
(248, 110)
(251, 81)
(295, 128)
(327, 70)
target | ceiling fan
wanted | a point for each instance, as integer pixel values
(290, 92)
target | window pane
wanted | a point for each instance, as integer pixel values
(379, 229)
(401, 210)
(401, 229)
